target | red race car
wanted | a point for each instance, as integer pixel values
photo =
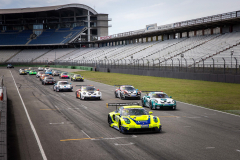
(64, 75)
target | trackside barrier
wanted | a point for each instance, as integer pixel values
(73, 67)
(1, 89)
(3, 122)
(1, 94)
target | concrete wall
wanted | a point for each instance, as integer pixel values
(102, 32)
(3, 126)
(178, 75)
(236, 27)
(225, 29)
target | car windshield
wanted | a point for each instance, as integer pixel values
(63, 83)
(33, 71)
(64, 73)
(128, 88)
(159, 95)
(89, 89)
(49, 78)
(134, 111)
(78, 75)
(49, 71)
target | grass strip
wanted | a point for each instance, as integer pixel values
(214, 95)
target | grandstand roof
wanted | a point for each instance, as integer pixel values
(47, 8)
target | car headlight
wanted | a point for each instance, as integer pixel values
(84, 93)
(99, 93)
(127, 121)
(155, 119)
(156, 101)
(173, 101)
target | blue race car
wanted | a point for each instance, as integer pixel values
(158, 100)
(49, 71)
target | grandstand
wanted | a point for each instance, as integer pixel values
(60, 25)
(83, 36)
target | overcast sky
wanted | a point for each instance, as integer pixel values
(129, 15)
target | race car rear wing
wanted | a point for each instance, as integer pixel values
(122, 104)
(82, 85)
(122, 85)
(151, 91)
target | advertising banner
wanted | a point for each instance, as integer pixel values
(104, 37)
(151, 27)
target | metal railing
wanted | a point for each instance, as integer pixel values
(215, 66)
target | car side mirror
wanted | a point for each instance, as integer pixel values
(150, 112)
(70, 83)
(170, 96)
(148, 96)
(79, 89)
(97, 89)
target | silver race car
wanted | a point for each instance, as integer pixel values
(127, 91)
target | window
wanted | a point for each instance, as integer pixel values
(38, 26)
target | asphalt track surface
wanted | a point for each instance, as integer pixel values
(69, 128)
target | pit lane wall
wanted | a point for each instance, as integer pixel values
(3, 122)
(226, 78)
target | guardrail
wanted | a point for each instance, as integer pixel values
(1, 89)
(3, 121)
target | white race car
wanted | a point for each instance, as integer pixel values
(88, 92)
(62, 86)
(40, 68)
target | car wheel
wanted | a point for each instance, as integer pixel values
(121, 96)
(71, 79)
(109, 121)
(139, 98)
(115, 95)
(173, 108)
(121, 130)
(159, 130)
(143, 103)
(150, 106)
(53, 89)
(57, 89)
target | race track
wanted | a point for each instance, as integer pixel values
(69, 128)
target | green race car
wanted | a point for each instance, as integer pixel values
(158, 100)
(77, 77)
(130, 117)
(32, 72)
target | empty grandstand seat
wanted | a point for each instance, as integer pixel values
(15, 38)
(64, 29)
(78, 28)
(55, 37)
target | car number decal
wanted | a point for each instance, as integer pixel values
(144, 126)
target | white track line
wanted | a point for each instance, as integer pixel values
(209, 109)
(86, 134)
(31, 124)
